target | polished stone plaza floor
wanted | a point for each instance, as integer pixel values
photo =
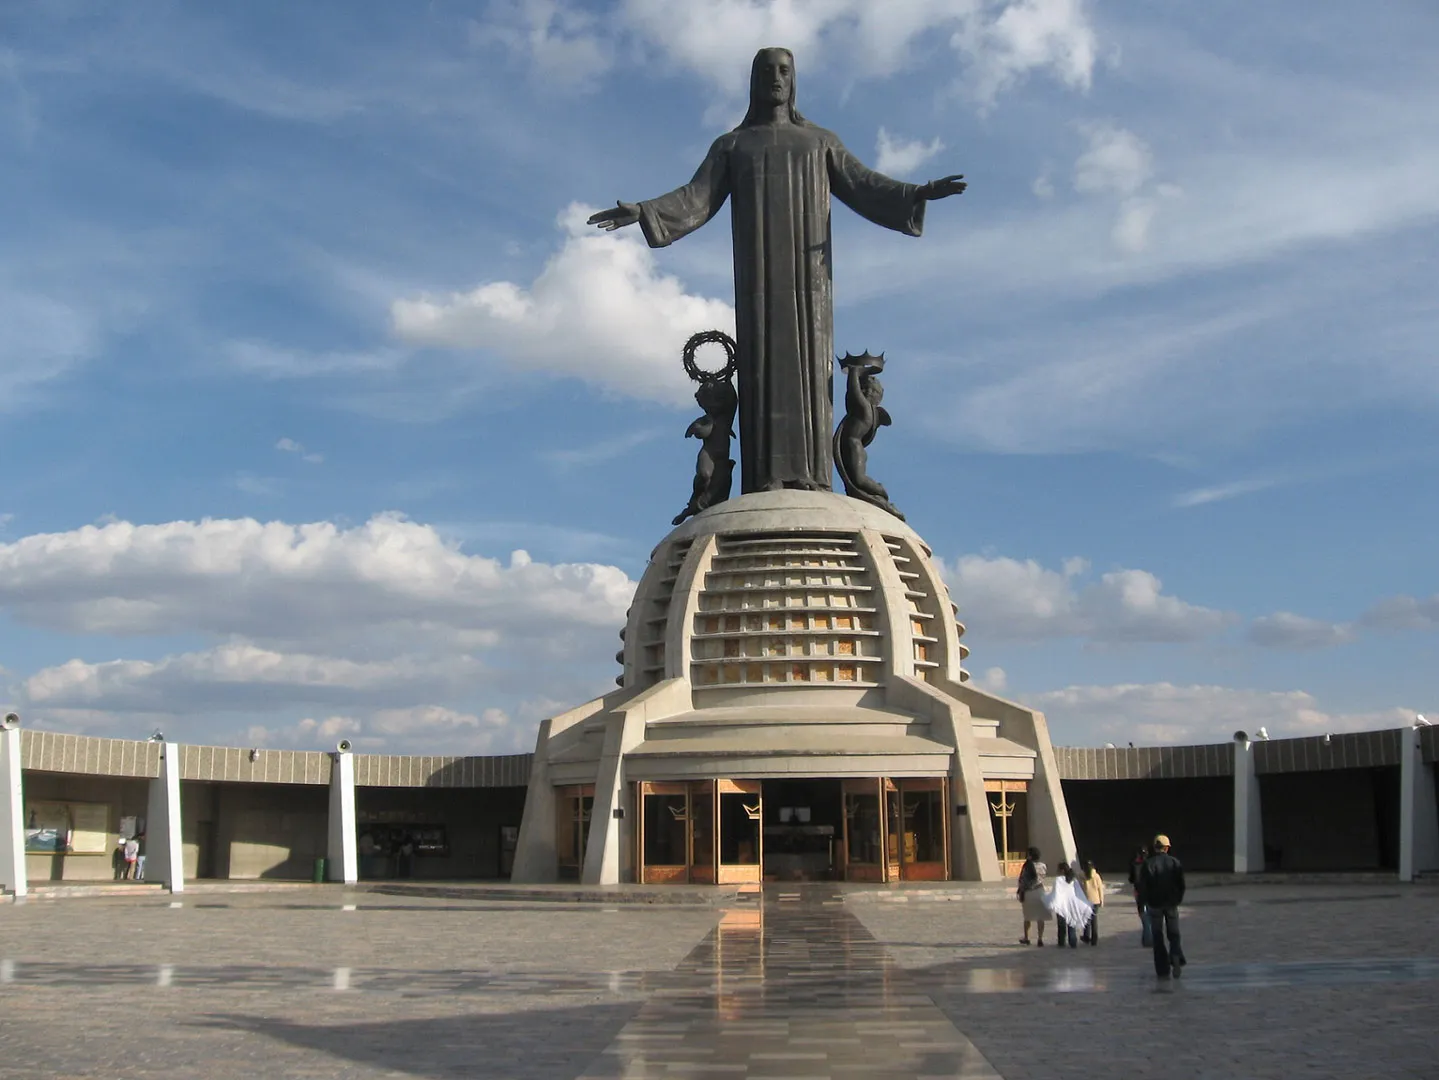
(1314, 981)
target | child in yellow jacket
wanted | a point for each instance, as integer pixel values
(1094, 893)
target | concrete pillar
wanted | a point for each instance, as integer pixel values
(12, 809)
(1248, 814)
(343, 851)
(1418, 819)
(164, 853)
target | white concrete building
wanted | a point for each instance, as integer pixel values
(793, 706)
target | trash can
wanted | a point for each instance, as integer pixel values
(319, 871)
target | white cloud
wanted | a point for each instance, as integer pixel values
(994, 679)
(1162, 713)
(1117, 161)
(901, 157)
(240, 677)
(998, 42)
(384, 622)
(376, 585)
(1043, 186)
(435, 729)
(290, 446)
(599, 311)
(1404, 613)
(1009, 599)
(1285, 630)
(564, 42)
(1004, 43)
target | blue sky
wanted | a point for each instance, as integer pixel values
(302, 338)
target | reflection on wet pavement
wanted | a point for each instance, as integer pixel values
(794, 988)
(1069, 980)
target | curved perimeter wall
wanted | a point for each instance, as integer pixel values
(1363, 801)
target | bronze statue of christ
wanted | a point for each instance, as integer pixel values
(779, 170)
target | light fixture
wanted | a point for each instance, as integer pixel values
(1328, 738)
(1262, 734)
(159, 736)
(1419, 720)
(254, 754)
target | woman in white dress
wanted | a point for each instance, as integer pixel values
(1032, 897)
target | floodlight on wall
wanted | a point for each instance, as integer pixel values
(12, 720)
(1241, 737)
(343, 746)
(1109, 746)
(1262, 734)
(254, 754)
(159, 736)
(1328, 738)
(1419, 720)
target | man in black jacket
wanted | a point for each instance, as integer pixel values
(1161, 891)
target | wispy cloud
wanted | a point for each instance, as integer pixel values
(1220, 492)
(601, 451)
(290, 446)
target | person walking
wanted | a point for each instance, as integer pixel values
(1094, 893)
(1031, 896)
(1071, 910)
(1161, 889)
(1136, 864)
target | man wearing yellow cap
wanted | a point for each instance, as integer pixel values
(1161, 891)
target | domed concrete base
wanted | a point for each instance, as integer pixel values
(779, 635)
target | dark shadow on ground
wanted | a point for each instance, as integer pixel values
(544, 1044)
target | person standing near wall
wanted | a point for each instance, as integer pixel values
(132, 853)
(117, 858)
(1161, 889)
(140, 858)
(1094, 893)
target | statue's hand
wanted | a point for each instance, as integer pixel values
(623, 214)
(943, 188)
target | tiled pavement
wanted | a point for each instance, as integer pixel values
(1318, 981)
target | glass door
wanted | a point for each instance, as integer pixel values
(664, 832)
(893, 827)
(741, 840)
(924, 840)
(863, 831)
(572, 828)
(702, 831)
(1009, 816)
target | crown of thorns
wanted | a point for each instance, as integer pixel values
(709, 337)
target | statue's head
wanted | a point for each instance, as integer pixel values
(771, 84)
(872, 388)
(717, 396)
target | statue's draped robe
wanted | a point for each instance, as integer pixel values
(780, 177)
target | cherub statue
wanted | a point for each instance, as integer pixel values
(864, 415)
(714, 468)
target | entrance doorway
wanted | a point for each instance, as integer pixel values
(726, 831)
(896, 829)
(803, 830)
